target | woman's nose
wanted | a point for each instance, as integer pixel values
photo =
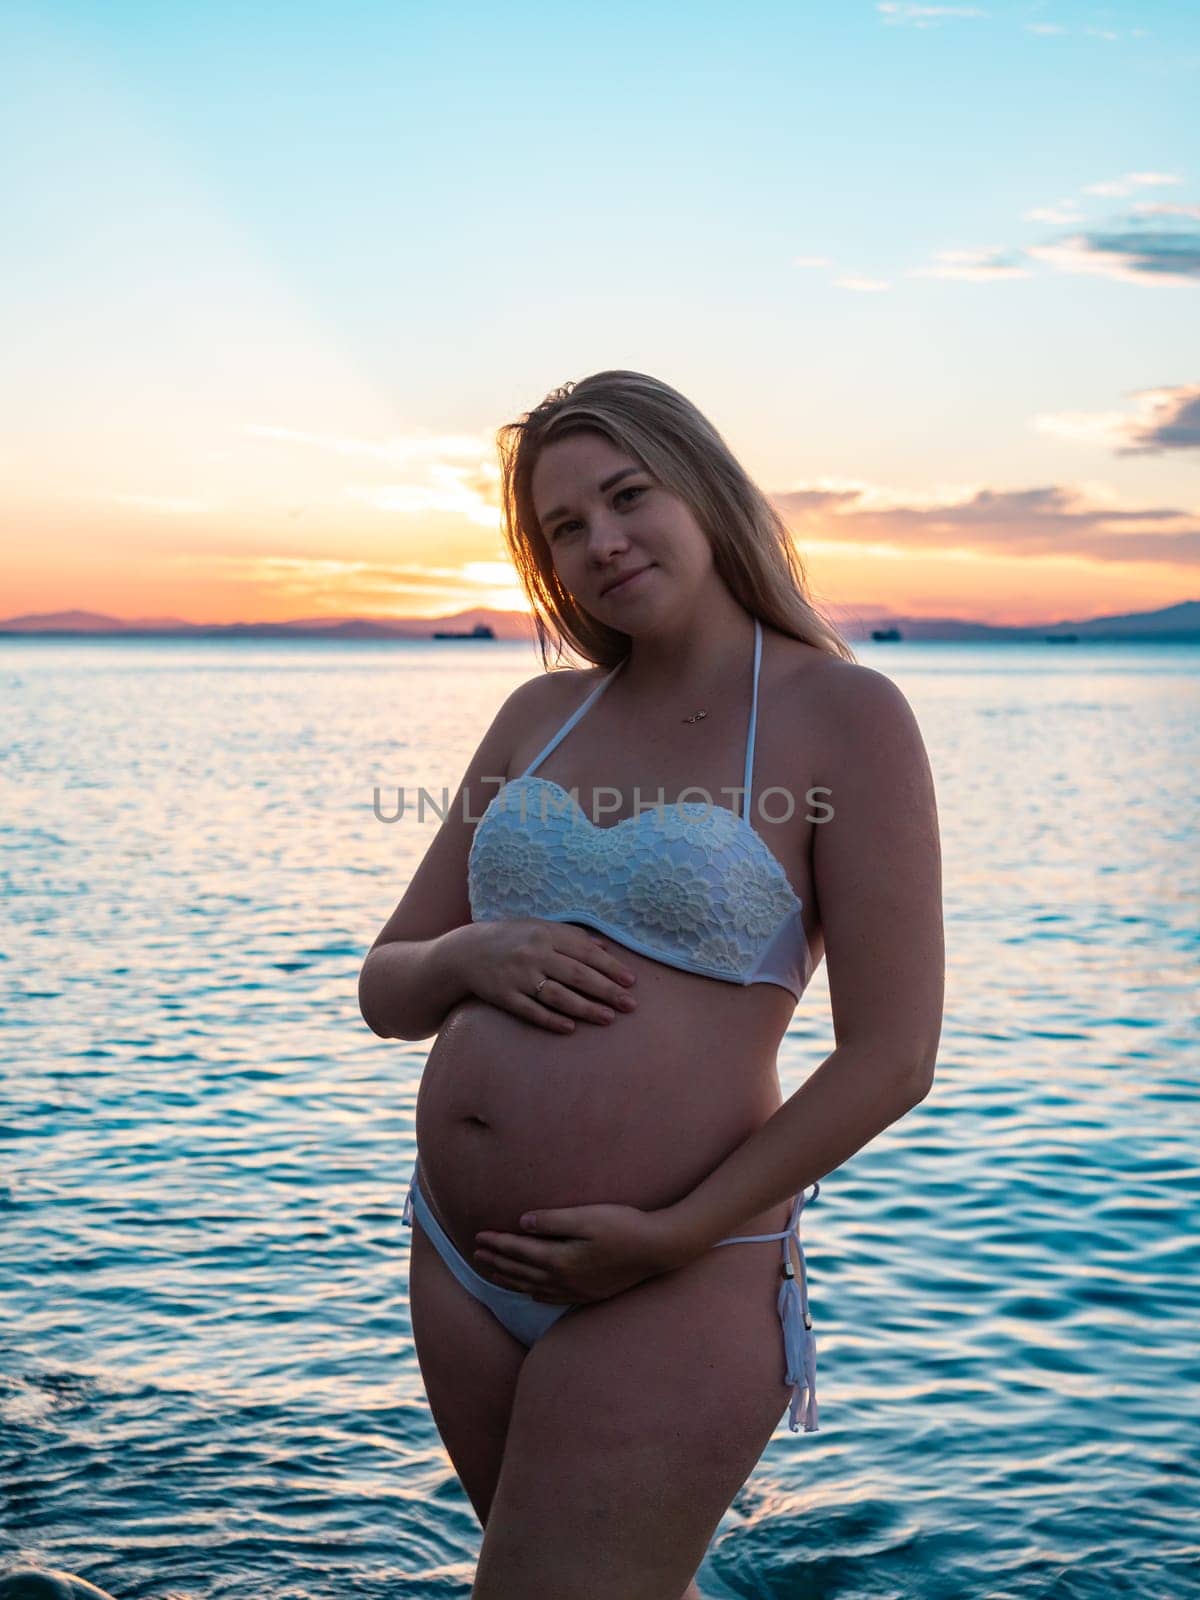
(605, 535)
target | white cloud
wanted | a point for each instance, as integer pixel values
(893, 11)
(1065, 211)
(446, 495)
(979, 266)
(1166, 418)
(444, 472)
(1083, 427)
(1128, 258)
(491, 574)
(1157, 208)
(1130, 182)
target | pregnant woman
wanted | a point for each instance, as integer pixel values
(609, 935)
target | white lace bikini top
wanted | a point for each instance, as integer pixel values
(692, 885)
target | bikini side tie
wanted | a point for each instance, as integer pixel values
(799, 1340)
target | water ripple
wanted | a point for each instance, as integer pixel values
(207, 1378)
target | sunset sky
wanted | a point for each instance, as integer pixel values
(273, 276)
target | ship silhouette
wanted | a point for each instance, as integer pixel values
(481, 630)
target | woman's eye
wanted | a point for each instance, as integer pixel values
(633, 488)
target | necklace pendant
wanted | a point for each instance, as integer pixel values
(697, 717)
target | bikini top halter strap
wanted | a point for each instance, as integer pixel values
(749, 772)
(580, 711)
(575, 716)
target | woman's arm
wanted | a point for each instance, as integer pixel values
(407, 986)
(877, 871)
(430, 955)
(412, 975)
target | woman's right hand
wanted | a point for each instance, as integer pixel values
(509, 958)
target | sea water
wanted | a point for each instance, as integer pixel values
(208, 1385)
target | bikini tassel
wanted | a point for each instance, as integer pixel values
(800, 1344)
(407, 1214)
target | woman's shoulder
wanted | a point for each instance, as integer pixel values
(553, 687)
(548, 679)
(859, 697)
(841, 705)
(842, 684)
(554, 692)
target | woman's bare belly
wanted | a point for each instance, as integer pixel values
(511, 1117)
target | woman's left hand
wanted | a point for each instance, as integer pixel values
(579, 1253)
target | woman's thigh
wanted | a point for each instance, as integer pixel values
(636, 1420)
(469, 1364)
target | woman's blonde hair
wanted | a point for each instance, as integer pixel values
(752, 548)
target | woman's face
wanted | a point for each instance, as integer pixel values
(605, 517)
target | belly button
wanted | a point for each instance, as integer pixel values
(476, 1122)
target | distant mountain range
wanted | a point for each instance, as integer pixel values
(1175, 623)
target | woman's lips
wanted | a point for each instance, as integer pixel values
(626, 583)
